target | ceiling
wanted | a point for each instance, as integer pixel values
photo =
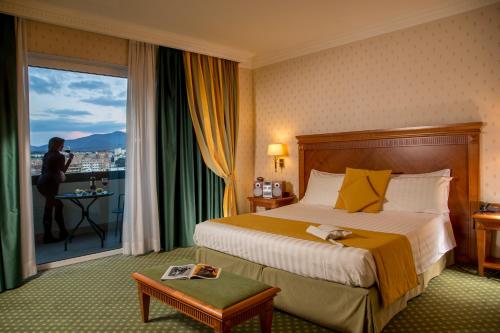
(255, 32)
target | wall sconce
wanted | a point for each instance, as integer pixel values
(277, 150)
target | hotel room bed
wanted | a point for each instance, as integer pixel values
(336, 287)
(430, 237)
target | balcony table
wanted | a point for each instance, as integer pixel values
(75, 198)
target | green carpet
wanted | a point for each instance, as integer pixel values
(100, 296)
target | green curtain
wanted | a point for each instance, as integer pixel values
(188, 191)
(10, 230)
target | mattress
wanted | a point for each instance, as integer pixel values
(430, 237)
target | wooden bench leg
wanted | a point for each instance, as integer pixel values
(266, 318)
(222, 328)
(144, 304)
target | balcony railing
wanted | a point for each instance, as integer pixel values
(101, 211)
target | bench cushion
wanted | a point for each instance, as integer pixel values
(221, 293)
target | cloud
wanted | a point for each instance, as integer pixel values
(90, 85)
(59, 114)
(42, 86)
(122, 94)
(64, 113)
(50, 125)
(105, 101)
(76, 135)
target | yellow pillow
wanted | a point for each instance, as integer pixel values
(358, 195)
(378, 179)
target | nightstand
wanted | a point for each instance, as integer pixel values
(269, 203)
(485, 222)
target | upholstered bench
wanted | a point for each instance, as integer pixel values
(221, 303)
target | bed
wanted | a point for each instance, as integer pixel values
(320, 283)
(430, 236)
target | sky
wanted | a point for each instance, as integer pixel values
(72, 105)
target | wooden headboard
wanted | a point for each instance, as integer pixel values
(407, 150)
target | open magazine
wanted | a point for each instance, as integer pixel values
(191, 271)
(329, 233)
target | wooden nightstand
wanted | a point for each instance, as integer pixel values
(269, 203)
(485, 222)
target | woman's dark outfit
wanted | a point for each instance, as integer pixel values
(48, 185)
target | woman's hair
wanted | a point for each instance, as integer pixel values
(55, 142)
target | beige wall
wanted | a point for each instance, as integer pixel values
(65, 42)
(245, 150)
(443, 72)
(447, 71)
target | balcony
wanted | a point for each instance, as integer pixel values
(85, 241)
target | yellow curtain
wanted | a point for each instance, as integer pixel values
(212, 89)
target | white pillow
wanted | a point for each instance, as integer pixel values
(439, 173)
(323, 188)
(417, 194)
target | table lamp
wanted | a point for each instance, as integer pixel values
(277, 150)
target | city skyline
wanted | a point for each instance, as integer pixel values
(94, 153)
(87, 162)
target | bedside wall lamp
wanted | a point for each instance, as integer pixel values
(277, 150)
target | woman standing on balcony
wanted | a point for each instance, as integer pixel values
(53, 169)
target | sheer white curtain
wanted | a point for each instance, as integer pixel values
(23, 123)
(141, 229)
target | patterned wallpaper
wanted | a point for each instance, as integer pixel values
(245, 149)
(446, 71)
(61, 41)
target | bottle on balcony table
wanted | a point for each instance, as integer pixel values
(92, 184)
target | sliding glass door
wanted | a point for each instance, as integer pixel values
(78, 183)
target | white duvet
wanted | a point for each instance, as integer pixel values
(430, 236)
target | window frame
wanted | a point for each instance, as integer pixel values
(76, 65)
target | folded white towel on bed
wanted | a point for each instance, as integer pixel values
(329, 233)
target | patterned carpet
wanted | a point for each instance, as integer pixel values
(99, 296)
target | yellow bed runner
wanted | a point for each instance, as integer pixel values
(392, 252)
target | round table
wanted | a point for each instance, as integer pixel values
(75, 198)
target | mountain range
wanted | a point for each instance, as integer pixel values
(94, 142)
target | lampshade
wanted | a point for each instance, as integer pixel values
(277, 149)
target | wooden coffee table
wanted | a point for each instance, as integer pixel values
(221, 320)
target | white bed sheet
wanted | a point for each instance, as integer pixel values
(430, 236)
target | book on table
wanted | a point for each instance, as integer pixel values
(191, 271)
